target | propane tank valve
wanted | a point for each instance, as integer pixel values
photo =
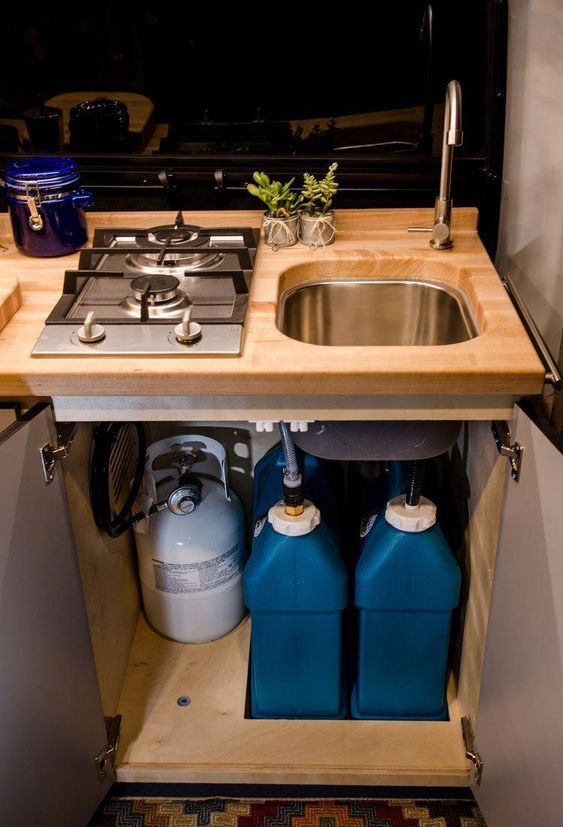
(185, 499)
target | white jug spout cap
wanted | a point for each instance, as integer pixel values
(408, 517)
(296, 526)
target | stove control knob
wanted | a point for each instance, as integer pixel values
(90, 331)
(187, 331)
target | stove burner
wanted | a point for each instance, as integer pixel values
(178, 247)
(177, 233)
(169, 234)
(174, 261)
(161, 288)
(163, 300)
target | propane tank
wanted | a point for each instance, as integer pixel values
(191, 547)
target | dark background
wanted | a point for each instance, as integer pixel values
(277, 64)
(307, 61)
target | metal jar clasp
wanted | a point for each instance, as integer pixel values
(33, 203)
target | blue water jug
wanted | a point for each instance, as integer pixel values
(407, 584)
(323, 484)
(296, 587)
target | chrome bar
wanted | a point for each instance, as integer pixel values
(552, 373)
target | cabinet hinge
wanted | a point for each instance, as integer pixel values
(513, 451)
(106, 756)
(470, 751)
(51, 454)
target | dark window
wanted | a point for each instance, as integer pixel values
(245, 78)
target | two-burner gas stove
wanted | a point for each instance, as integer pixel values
(174, 290)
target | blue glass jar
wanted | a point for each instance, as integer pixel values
(46, 206)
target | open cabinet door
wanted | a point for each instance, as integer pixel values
(519, 726)
(51, 721)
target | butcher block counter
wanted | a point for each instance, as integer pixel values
(275, 375)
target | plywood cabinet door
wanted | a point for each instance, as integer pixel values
(51, 719)
(519, 726)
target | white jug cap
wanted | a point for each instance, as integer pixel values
(411, 518)
(294, 526)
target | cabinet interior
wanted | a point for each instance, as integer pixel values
(142, 674)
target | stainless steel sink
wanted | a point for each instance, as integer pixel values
(373, 311)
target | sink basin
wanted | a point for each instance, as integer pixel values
(375, 312)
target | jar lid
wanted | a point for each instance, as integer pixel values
(99, 109)
(41, 171)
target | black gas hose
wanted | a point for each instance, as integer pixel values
(105, 437)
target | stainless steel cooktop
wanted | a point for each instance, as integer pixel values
(175, 289)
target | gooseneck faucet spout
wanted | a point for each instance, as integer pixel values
(453, 136)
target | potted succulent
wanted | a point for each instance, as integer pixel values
(317, 223)
(281, 219)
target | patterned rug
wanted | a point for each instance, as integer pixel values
(232, 812)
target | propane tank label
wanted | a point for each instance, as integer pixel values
(179, 578)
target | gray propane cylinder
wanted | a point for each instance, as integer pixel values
(192, 552)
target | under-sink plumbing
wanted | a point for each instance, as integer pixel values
(453, 136)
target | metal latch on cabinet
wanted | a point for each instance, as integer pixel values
(513, 451)
(51, 454)
(106, 756)
(470, 751)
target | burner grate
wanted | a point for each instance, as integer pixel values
(89, 256)
(112, 290)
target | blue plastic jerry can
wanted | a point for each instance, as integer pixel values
(407, 584)
(296, 587)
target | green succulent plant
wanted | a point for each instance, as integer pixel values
(278, 198)
(318, 195)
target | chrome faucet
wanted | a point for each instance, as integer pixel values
(453, 136)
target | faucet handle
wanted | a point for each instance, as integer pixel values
(441, 239)
(441, 235)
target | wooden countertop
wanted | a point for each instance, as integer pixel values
(499, 361)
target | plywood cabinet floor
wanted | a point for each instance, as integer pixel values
(211, 741)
